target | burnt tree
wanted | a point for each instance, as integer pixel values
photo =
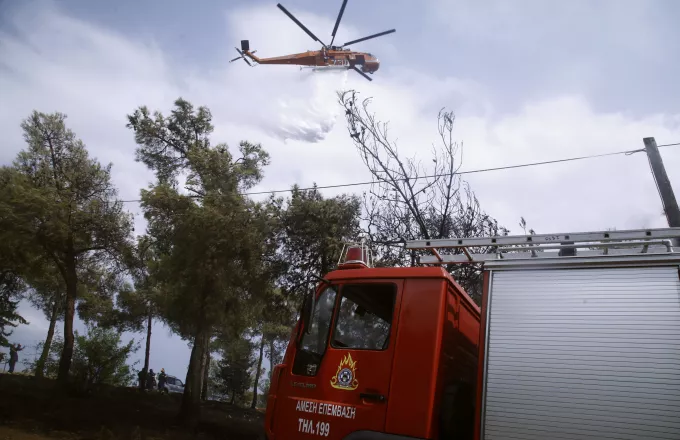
(408, 201)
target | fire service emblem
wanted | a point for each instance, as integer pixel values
(345, 378)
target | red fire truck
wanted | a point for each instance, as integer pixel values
(578, 337)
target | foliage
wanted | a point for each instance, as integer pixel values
(99, 357)
(232, 375)
(47, 293)
(211, 240)
(13, 259)
(61, 205)
(276, 335)
(314, 231)
(135, 303)
(264, 393)
(10, 285)
(50, 365)
(47, 290)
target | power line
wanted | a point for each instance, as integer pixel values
(481, 170)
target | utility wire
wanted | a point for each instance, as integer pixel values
(482, 170)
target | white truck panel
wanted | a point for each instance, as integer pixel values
(583, 353)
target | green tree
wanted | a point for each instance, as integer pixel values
(210, 239)
(277, 320)
(99, 357)
(234, 375)
(10, 285)
(308, 239)
(314, 231)
(304, 242)
(137, 305)
(50, 365)
(63, 206)
(264, 393)
(47, 293)
(13, 260)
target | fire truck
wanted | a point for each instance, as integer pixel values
(577, 337)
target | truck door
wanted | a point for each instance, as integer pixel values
(339, 380)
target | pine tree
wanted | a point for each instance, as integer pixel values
(61, 205)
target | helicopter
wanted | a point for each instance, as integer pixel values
(329, 57)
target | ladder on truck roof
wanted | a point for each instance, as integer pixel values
(548, 246)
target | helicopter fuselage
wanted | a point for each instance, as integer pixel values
(335, 58)
(330, 57)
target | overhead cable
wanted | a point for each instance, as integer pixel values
(432, 176)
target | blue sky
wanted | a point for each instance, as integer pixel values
(528, 80)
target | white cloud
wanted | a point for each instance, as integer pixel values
(553, 27)
(97, 76)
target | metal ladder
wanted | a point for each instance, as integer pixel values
(538, 246)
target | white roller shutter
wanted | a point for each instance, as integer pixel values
(577, 354)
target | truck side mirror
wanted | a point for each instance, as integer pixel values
(310, 304)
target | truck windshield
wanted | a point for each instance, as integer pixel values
(364, 316)
(363, 322)
(313, 344)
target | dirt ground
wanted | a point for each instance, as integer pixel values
(36, 410)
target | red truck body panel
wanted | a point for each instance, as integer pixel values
(398, 389)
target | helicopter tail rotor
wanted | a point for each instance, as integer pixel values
(245, 49)
(242, 56)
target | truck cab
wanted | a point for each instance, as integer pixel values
(378, 353)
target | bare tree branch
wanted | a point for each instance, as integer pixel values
(409, 201)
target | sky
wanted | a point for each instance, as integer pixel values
(527, 80)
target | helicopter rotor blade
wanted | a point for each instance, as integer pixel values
(362, 73)
(292, 17)
(369, 37)
(337, 22)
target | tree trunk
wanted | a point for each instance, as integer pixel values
(40, 366)
(206, 374)
(199, 387)
(257, 373)
(324, 262)
(70, 312)
(190, 410)
(147, 354)
(272, 362)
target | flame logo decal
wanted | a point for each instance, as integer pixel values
(345, 378)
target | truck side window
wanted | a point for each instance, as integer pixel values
(364, 316)
(313, 345)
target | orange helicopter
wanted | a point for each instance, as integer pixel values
(328, 58)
